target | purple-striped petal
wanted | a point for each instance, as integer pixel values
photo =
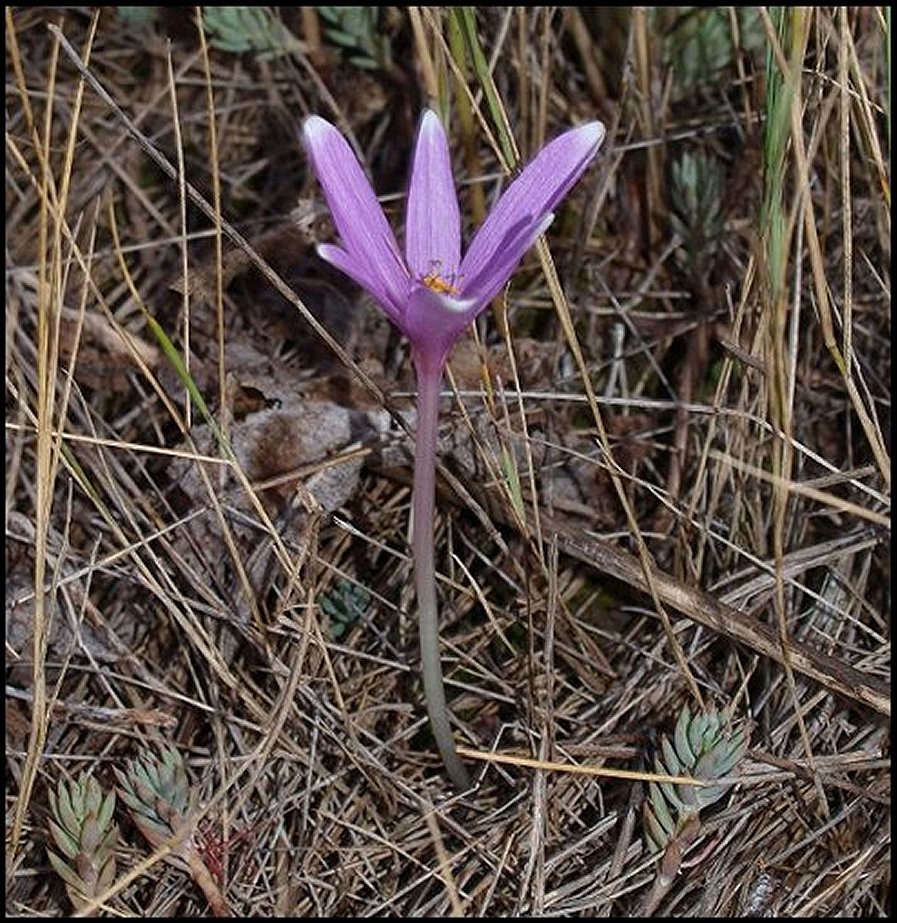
(526, 203)
(360, 273)
(494, 276)
(359, 219)
(432, 217)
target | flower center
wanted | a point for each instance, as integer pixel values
(434, 281)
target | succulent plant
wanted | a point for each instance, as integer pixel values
(83, 829)
(704, 747)
(697, 215)
(356, 29)
(344, 604)
(157, 793)
(238, 29)
(162, 804)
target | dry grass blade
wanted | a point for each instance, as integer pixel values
(509, 759)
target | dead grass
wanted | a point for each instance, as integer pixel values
(666, 477)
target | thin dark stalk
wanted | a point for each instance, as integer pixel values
(429, 383)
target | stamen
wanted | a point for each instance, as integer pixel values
(433, 280)
(437, 284)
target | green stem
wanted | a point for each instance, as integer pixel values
(429, 383)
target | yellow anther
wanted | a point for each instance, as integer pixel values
(433, 281)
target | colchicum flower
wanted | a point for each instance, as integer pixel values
(432, 294)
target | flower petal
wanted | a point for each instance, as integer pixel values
(360, 272)
(357, 214)
(530, 198)
(495, 275)
(432, 217)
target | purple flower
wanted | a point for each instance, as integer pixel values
(431, 293)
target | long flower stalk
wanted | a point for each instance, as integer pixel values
(429, 385)
(432, 295)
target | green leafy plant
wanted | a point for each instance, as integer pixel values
(239, 29)
(83, 829)
(157, 793)
(699, 45)
(705, 747)
(162, 804)
(137, 17)
(344, 605)
(356, 29)
(696, 196)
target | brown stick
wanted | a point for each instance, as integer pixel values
(705, 609)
